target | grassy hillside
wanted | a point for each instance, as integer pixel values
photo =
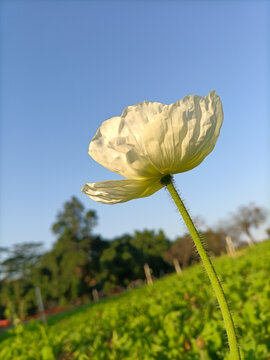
(176, 318)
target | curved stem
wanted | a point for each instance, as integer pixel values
(229, 325)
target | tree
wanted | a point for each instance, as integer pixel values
(75, 219)
(3, 250)
(66, 271)
(152, 245)
(215, 242)
(20, 259)
(121, 263)
(248, 217)
(17, 297)
(182, 250)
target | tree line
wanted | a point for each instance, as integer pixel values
(80, 261)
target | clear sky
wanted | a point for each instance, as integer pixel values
(66, 66)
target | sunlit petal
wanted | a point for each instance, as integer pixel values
(184, 133)
(118, 191)
(151, 139)
(116, 147)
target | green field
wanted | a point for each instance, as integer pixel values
(176, 318)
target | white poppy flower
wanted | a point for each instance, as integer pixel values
(150, 140)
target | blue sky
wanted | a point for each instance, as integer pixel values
(67, 66)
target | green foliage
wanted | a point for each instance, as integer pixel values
(20, 260)
(17, 296)
(152, 247)
(176, 318)
(64, 273)
(80, 261)
(75, 219)
(121, 263)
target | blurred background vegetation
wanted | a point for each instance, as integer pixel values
(81, 262)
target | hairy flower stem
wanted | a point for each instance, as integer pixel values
(227, 317)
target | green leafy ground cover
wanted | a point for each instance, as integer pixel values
(176, 318)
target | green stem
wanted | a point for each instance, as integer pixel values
(229, 325)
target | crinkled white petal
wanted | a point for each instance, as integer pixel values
(184, 133)
(149, 140)
(118, 191)
(118, 144)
